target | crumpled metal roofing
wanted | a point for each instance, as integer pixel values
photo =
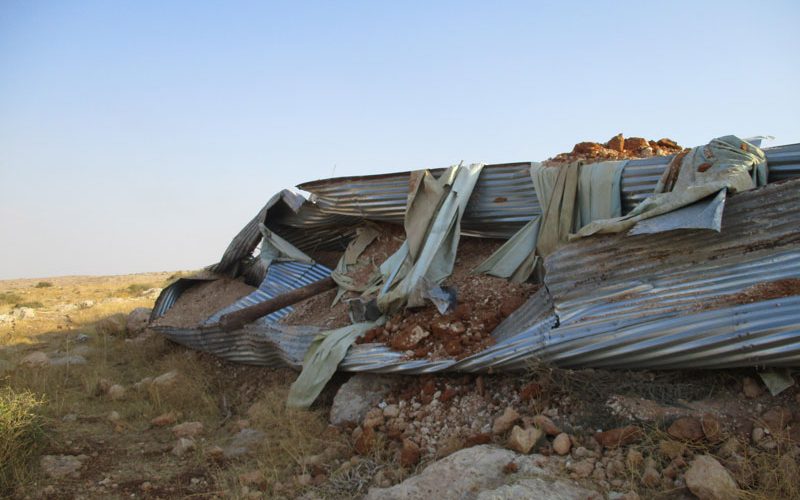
(610, 301)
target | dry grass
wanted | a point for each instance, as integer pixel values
(21, 433)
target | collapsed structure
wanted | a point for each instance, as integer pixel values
(690, 260)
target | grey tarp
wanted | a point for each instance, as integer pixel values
(433, 229)
(572, 195)
(725, 163)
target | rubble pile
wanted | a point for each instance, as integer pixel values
(483, 302)
(617, 148)
(548, 425)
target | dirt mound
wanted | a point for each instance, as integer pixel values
(617, 148)
(201, 301)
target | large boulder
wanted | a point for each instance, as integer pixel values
(357, 396)
(540, 489)
(482, 472)
(137, 320)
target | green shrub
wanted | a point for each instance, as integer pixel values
(35, 304)
(138, 288)
(10, 298)
(21, 433)
(43, 284)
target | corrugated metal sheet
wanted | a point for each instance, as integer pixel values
(610, 301)
(504, 198)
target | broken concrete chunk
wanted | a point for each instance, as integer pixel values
(355, 398)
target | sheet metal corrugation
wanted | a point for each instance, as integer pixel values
(783, 162)
(764, 333)
(759, 227)
(281, 278)
(170, 294)
(503, 199)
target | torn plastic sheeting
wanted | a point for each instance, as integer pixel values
(321, 362)
(704, 214)
(433, 222)
(595, 188)
(724, 163)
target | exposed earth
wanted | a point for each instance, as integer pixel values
(124, 413)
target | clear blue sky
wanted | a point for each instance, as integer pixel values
(140, 136)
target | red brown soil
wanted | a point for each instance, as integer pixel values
(756, 293)
(483, 303)
(201, 301)
(617, 148)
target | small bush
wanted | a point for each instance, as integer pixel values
(35, 304)
(10, 298)
(138, 288)
(43, 284)
(21, 432)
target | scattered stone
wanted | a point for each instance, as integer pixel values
(215, 453)
(523, 440)
(356, 396)
(757, 434)
(365, 442)
(751, 388)
(114, 416)
(709, 480)
(547, 425)
(243, 443)
(562, 444)
(183, 446)
(166, 380)
(253, 478)
(776, 419)
(111, 325)
(82, 338)
(70, 417)
(187, 429)
(75, 359)
(57, 466)
(686, 429)
(391, 411)
(619, 437)
(37, 358)
(505, 421)
(23, 313)
(164, 419)
(530, 391)
(146, 486)
(634, 459)
(651, 478)
(373, 418)
(116, 392)
(137, 320)
(143, 384)
(86, 304)
(409, 453)
(712, 429)
(671, 449)
(582, 468)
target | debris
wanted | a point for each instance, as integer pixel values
(777, 381)
(409, 454)
(751, 388)
(244, 442)
(617, 148)
(686, 429)
(164, 419)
